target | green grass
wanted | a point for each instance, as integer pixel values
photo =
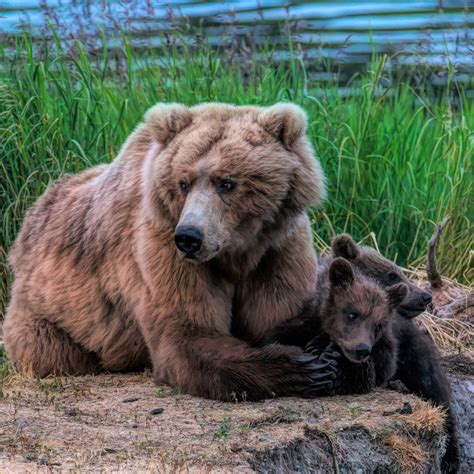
(396, 162)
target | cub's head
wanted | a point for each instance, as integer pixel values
(372, 264)
(222, 175)
(358, 311)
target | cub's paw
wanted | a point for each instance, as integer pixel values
(330, 353)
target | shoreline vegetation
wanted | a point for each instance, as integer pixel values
(397, 153)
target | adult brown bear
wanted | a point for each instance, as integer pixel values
(200, 219)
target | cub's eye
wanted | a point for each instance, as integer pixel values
(353, 316)
(378, 329)
(393, 277)
(224, 185)
(184, 186)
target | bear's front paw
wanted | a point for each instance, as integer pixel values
(315, 377)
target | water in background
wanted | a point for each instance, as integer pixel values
(413, 33)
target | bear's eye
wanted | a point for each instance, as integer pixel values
(353, 316)
(224, 185)
(184, 186)
(393, 277)
(378, 328)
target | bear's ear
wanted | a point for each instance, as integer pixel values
(396, 294)
(343, 246)
(165, 121)
(286, 122)
(341, 272)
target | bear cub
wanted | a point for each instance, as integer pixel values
(401, 350)
(418, 365)
(354, 316)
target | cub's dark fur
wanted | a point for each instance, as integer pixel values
(418, 365)
(404, 352)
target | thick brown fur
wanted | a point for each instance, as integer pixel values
(99, 283)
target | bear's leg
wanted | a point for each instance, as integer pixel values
(420, 370)
(40, 347)
(298, 331)
(222, 367)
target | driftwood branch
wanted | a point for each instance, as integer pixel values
(432, 271)
(451, 309)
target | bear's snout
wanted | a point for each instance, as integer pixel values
(426, 298)
(359, 353)
(416, 302)
(363, 351)
(188, 239)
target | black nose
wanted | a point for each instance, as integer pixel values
(362, 351)
(426, 298)
(188, 239)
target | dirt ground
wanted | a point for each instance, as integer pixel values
(126, 423)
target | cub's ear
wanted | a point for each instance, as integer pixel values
(344, 246)
(165, 121)
(341, 272)
(286, 122)
(396, 294)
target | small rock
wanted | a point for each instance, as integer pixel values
(109, 450)
(235, 447)
(71, 412)
(130, 399)
(406, 410)
(156, 411)
(264, 437)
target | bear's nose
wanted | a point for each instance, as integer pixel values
(188, 239)
(426, 298)
(362, 351)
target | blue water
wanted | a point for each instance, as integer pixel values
(346, 31)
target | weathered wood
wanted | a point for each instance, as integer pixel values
(432, 271)
(461, 304)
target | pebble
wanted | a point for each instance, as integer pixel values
(110, 450)
(156, 411)
(130, 399)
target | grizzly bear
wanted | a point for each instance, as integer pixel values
(403, 352)
(201, 218)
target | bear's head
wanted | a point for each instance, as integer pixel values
(223, 177)
(372, 264)
(358, 311)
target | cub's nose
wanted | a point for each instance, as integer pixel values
(188, 239)
(362, 351)
(426, 298)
